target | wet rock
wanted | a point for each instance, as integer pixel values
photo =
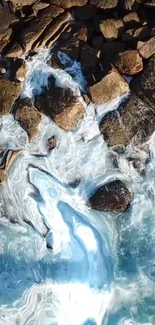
(28, 117)
(18, 69)
(69, 3)
(111, 28)
(112, 197)
(129, 62)
(140, 34)
(55, 62)
(97, 42)
(133, 123)
(111, 86)
(86, 12)
(146, 49)
(51, 144)
(9, 92)
(71, 48)
(61, 105)
(143, 86)
(104, 4)
(131, 20)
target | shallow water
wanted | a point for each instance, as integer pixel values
(98, 269)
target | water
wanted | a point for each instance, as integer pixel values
(61, 262)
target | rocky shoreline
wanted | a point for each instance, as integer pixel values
(113, 40)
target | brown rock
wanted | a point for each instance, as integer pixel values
(6, 19)
(21, 3)
(18, 69)
(2, 176)
(111, 28)
(61, 105)
(54, 28)
(2, 70)
(111, 86)
(37, 6)
(35, 28)
(131, 4)
(71, 48)
(143, 86)
(112, 197)
(28, 117)
(129, 63)
(69, 3)
(139, 34)
(104, 4)
(86, 12)
(55, 62)
(131, 20)
(149, 3)
(132, 123)
(82, 34)
(146, 49)
(97, 42)
(9, 92)
(5, 39)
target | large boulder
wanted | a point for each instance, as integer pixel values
(111, 28)
(28, 117)
(61, 105)
(112, 197)
(129, 62)
(108, 88)
(9, 92)
(134, 122)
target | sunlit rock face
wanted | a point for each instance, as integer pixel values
(62, 262)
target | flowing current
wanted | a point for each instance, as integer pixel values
(62, 263)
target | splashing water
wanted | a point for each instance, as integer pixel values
(101, 269)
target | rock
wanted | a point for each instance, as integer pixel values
(10, 91)
(112, 197)
(21, 3)
(2, 176)
(71, 48)
(18, 69)
(15, 51)
(82, 34)
(111, 86)
(61, 105)
(37, 6)
(104, 4)
(149, 3)
(86, 12)
(110, 52)
(131, 4)
(134, 122)
(5, 40)
(69, 3)
(97, 42)
(6, 18)
(2, 70)
(31, 33)
(89, 57)
(140, 34)
(51, 143)
(54, 28)
(28, 117)
(55, 62)
(146, 49)
(131, 20)
(143, 86)
(111, 28)
(129, 62)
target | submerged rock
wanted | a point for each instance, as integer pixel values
(111, 86)
(9, 92)
(112, 197)
(61, 105)
(28, 117)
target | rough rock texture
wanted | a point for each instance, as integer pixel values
(139, 34)
(28, 117)
(69, 3)
(131, 20)
(61, 105)
(149, 3)
(9, 92)
(21, 3)
(111, 86)
(104, 4)
(146, 49)
(71, 48)
(135, 123)
(112, 197)
(144, 85)
(129, 63)
(111, 28)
